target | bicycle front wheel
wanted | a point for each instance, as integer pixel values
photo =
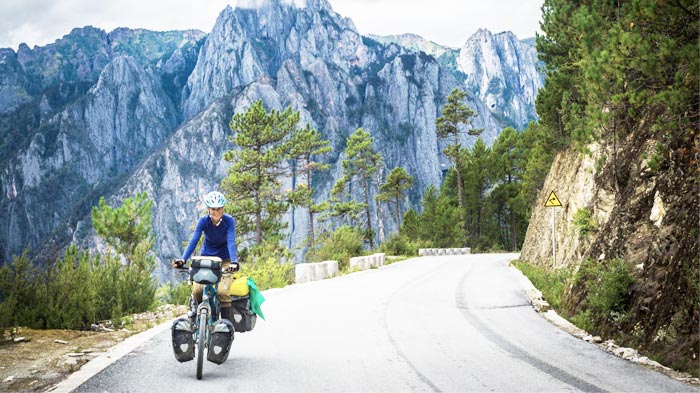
(202, 338)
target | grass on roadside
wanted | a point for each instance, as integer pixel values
(552, 283)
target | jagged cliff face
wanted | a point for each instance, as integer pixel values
(155, 119)
(91, 107)
(499, 69)
(502, 72)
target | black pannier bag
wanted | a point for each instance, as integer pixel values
(183, 340)
(243, 318)
(220, 344)
(205, 271)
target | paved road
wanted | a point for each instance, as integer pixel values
(436, 324)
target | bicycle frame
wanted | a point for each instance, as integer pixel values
(206, 314)
(210, 299)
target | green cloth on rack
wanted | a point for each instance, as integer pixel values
(256, 298)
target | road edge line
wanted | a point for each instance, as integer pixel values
(94, 366)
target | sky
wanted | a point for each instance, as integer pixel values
(446, 22)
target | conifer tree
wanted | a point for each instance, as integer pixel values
(394, 190)
(307, 145)
(508, 164)
(476, 184)
(253, 181)
(456, 113)
(362, 161)
(125, 227)
(342, 206)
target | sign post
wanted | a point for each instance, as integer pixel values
(553, 201)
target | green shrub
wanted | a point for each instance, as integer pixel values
(339, 245)
(583, 222)
(656, 160)
(178, 294)
(73, 292)
(268, 265)
(399, 244)
(269, 272)
(608, 285)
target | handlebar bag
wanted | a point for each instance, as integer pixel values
(205, 271)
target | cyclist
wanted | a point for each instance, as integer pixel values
(219, 231)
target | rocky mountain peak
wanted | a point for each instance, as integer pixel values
(247, 44)
(502, 71)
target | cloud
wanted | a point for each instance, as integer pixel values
(41, 22)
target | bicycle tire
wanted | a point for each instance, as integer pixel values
(202, 338)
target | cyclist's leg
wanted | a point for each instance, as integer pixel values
(197, 290)
(224, 297)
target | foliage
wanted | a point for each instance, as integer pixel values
(178, 294)
(583, 222)
(271, 267)
(454, 113)
(339, 245)
(500, 185)
(394, 189)
(127, 226)
(440, 223)
(611, 65)
(307, 145)
(361, 163)
(81, 288)
(608, 285)
(552, 283)
(253, 184)
(399, 244)
(76, 291)
(410, 224)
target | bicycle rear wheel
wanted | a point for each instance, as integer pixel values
(202, 339)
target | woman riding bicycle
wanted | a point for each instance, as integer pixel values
(219, 231)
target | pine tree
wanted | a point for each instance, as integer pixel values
(362, 161)
(306, 145)
(394, 190)
(125, 227)
(253, 181)
(476, 184)
(456, 113)
(342, 205)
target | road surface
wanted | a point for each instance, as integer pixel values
(430, 324)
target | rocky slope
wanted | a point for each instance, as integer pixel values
(648, 218)
(113, 114)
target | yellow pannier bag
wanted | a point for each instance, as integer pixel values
(239, 286)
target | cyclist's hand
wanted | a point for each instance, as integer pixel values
(177, 263)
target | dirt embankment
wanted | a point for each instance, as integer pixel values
(34, 360)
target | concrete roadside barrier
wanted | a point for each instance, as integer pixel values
(305, 272)
(367, 261)
(425, 252)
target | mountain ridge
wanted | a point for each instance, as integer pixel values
(311, 59)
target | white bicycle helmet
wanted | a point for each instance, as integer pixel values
(214, 199)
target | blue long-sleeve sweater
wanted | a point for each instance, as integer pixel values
(219, 240)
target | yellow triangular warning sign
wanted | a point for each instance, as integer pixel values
(552, 201)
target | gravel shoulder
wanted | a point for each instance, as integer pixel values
(36, 360)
